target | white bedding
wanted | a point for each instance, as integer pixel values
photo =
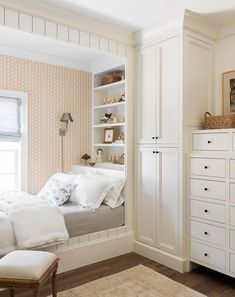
(27, 221)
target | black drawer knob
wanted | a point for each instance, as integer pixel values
(209, 141)
(206, 233)
(205, 254)
(206, 167)
(205, 210)
(205, 189)
(153, 137)
(156, 137)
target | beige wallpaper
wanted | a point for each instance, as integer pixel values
(51, 90)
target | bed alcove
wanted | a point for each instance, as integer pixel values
(93, 247)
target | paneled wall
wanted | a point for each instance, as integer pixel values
(51, 90)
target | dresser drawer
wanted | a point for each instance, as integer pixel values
(232, 168)
(211, 142)
(207, 254)
(208, 167)
(209, 233)
(232, 192)
(232, 215)
(208, 189)
(209, 211)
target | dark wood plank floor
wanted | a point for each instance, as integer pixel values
(201, 279)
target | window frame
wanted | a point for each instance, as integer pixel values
(23, 179)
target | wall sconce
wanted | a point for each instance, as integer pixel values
(66, 118)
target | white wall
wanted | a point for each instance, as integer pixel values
(224, 61)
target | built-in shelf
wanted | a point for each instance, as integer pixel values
(102, 94)
(108, 125)
(110, 144)
(109, 105)
(112, 85)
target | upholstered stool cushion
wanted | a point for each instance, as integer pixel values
(27, 265)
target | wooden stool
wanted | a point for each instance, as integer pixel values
(28, 269)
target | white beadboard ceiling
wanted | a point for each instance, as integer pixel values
(134, 15)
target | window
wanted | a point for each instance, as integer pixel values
(13, 141)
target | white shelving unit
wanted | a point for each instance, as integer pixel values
(113, 92)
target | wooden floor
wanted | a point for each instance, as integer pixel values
(201, 279)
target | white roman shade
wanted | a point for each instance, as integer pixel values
(10, 122)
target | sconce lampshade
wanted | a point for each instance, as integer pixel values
(66, 117)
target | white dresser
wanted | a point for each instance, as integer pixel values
(212, 199)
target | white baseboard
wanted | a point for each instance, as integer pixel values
(78, 256)
(164, 258)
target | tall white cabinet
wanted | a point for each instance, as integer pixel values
(158, 93)
(158, 145)
(166, 113)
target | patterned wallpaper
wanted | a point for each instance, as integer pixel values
(52, 90)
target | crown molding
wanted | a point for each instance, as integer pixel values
(159, 32)
(198, 24)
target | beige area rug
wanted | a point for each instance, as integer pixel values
(138, 281)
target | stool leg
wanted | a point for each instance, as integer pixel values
(54, 283)
(12, 292)
(36, 291)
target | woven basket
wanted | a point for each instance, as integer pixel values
(111, 78)
(218, 122)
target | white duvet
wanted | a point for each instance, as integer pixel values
(27, 222)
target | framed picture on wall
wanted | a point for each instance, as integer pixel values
(108, 135)
(228, 90)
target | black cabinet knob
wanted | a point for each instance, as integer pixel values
(206, 233)
(205, 210)
(209, 141)
(205, 254)
(153, 137)
(156, 137)
(205, 189)
(206, 167)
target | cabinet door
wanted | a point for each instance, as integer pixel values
(168, 93)
(167, 199)
(147, 95)
(146, 196)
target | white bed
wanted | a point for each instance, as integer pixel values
(24, 220)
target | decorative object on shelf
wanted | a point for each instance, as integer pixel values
(108, 135)
(218, 122)
(228, 86)
(121, 160)
(112, 77)
(108, 118)
(85, 158)
(91, 164)
(122, 98)
(99, 156)
(66, 118)
(120, 139)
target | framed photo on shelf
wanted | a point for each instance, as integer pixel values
(228, 90)
(108, 135)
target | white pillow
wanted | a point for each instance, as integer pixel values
(113, 198)
(63, 177)
(89, 192)
(57, 192)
